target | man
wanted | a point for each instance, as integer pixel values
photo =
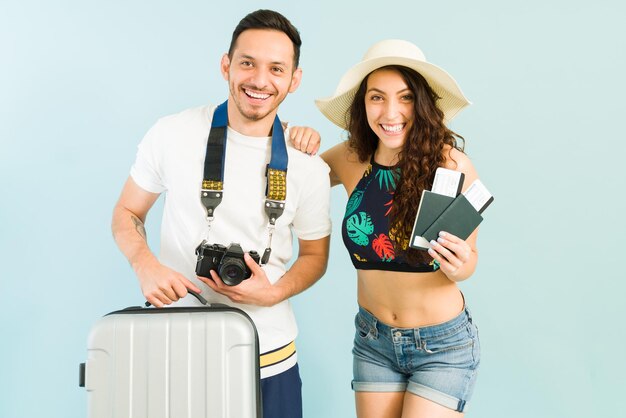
(261, 68)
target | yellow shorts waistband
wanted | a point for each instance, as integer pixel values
(276, 356)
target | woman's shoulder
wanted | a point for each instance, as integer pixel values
(342, 156)
(345, 165)
(455, 159)
(459, 161)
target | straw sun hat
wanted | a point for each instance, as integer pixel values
(393, 52)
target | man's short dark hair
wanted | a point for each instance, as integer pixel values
(268, 19)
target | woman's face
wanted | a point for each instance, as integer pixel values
(389, 107)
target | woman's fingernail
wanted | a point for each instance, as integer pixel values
(442, 234)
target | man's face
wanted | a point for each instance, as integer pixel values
(260, 74)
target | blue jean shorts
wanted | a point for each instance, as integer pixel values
(438, 362)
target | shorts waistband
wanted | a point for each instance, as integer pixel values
(429, 331)
(277, 356)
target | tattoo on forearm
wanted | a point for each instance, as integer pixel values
(139, 227)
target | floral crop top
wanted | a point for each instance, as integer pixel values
(365, 226)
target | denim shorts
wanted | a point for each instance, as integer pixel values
(438, 362)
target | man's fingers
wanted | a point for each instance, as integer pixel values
(168, 292)
(154, 301)
(159, 299)
(190, 285)
(180, 289)
(217, 280)
(252, 265)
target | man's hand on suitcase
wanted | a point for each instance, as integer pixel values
(256, 290)
(161, 285)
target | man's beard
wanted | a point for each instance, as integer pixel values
(252, 114)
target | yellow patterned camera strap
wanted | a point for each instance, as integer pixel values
(213, 179)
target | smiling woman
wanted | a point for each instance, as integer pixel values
(389, 108)
(416, 348)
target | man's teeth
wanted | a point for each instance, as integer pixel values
(393, 128)
(257, 95)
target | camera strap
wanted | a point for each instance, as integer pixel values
(213, 179)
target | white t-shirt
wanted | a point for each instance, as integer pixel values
(170, 159)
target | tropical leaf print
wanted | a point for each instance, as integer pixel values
(435, 264)
(359, 258)
(354, 202)
(359, 226)
(383, 247)
(390, 204)
(387, 178)
(368, 171)
(393, 232)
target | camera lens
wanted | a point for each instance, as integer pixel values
(232, 271)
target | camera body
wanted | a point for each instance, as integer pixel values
(227, 262)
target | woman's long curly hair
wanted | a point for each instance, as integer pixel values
(422, 153)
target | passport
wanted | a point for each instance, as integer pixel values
(456, 215)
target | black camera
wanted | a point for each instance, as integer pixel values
(227, 262)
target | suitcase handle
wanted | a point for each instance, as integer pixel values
(198, 296)
(191, 292)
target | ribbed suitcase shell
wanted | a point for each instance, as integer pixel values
(173, 363)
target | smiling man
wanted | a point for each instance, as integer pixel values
(261, 69)
(254, 196)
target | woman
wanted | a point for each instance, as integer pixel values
(416, 348)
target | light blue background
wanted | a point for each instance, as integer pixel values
(81, 82)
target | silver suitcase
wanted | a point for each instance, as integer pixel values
(199, 362)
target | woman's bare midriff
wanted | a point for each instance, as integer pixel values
(409, 300)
